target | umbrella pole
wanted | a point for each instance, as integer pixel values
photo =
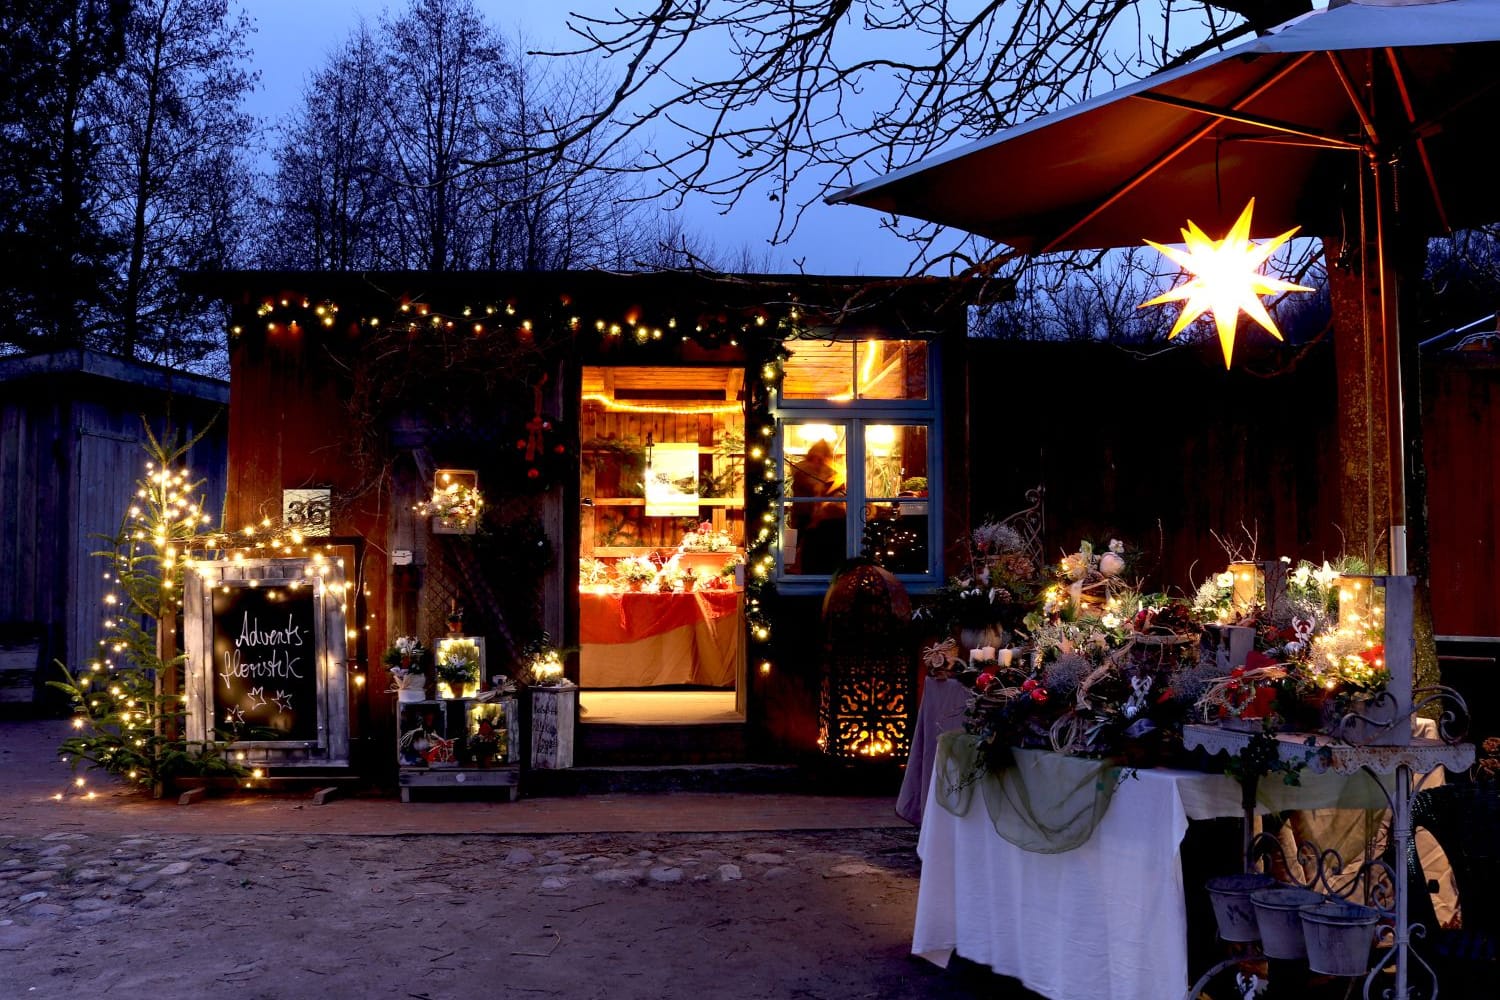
(1389, 320)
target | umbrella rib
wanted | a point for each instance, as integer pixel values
(1365, 121)
(1411, 119)
(1170, 155)
(1245, 118)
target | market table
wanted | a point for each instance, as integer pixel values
(1106, 920)
(634, 640)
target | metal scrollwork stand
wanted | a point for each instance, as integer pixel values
(1384, 886)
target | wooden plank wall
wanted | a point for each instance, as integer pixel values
(1155, 452)
(34, 463)
(1461, 427)
(288, 429)
(70, 457)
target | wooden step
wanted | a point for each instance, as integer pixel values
(603, 744)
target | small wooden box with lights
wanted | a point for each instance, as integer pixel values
(459, 743)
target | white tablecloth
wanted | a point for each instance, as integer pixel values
(1106, 920)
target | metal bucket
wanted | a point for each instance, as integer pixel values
(1277, 914)
(1230, 895)
(1338, 937)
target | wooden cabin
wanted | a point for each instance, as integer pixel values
(729, 441)
(71, 453)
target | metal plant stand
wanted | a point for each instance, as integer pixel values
(1322, 753)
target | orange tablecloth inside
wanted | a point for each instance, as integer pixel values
(612, 618)
(646, 640)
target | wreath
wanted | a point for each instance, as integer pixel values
(540, 447)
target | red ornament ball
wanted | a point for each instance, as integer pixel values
(532, 473)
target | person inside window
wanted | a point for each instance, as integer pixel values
(820, 525)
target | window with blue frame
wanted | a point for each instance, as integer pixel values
(857, 445)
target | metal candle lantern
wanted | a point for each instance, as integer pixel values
(866, 684)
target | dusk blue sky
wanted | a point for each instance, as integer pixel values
(295, 36)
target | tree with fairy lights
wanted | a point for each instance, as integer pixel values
(127, 702)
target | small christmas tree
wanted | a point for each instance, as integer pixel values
(127, 702)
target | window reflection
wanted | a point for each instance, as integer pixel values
(814, 534)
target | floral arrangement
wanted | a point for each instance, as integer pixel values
(1318, 646)
(457, 502)
(458, 667)
(636, 570)
(542, 663)
(404, 659)
(484, 741)
(592, 572)
(1102, 669)
(1100, 672)
(705, 539)
(1000, 582)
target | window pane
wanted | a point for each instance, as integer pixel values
(896, 536)
(814, 460)
(895, 460)
(819, 371)
(892, 369)
(815, 510)
(895, 533)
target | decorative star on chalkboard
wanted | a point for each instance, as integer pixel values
(283, 700)
(259, 696)
(234, 717)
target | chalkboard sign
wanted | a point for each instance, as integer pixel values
(264, 669)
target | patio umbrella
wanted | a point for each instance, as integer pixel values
(1289, 119)
(1361, 119)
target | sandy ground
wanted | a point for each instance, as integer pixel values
(266, 898)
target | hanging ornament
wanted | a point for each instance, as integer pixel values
(540, 446)
(1226, 279)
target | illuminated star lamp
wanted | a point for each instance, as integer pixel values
(1226, 279)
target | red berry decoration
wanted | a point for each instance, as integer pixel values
(532, 473)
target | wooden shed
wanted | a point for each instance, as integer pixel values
(71, 437)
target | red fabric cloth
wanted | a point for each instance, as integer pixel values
(618, 618)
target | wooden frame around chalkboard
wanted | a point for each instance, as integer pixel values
(326, 578)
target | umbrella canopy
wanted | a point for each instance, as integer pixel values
(1289, 119)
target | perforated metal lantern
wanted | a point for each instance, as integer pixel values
(868, 656)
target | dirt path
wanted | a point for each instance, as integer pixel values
(124, 898)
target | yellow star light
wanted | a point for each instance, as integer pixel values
(1226, 279)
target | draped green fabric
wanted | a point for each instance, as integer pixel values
(1045, 802)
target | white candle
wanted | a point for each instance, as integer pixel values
(1005, 656)
(975, 655)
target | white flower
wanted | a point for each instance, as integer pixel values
(1301, 575)
(1326, 575)
(1111, 563)
(1225, 579)
(1116, 546)
(1110, 620)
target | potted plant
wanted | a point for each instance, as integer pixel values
(484, 743)
(459, 669)
(408, 676)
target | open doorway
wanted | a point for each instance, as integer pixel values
(662, 544)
